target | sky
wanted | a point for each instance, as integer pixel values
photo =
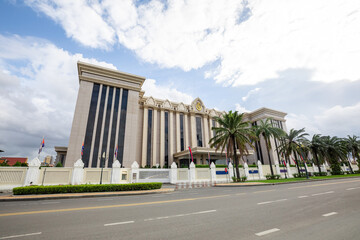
(296, 56)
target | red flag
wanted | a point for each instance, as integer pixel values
(192, 159)
(82, 149)
(226, 171)
(284, 163)
(42, 145)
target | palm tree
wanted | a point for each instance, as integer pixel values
(292, 143)
(233, 133)
(335, 151)
(353, 147)
(315, 146)
(267, 130)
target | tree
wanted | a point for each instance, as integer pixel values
(292, 143)
(353, 148)
(233, 133)
(267, 130)
(335, 151)
(316, 146)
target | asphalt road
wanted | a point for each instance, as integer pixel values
(321, 210)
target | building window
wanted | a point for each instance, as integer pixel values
(113, 127)
(213, 125)
(107, 121)
(148, 152)
(258, 148)
(98, 127)
(121, 138)
(182, 143)
(166, 162)
(199, 132)
(90, 124)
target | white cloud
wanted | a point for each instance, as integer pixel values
(165, 92)
(240, 108)
(336, 121)
(38, 92)
(251, 92)
(321, 36)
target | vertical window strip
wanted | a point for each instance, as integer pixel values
(107, 121)
(182, 144)
(90, 124)
(121, 139)
(113, 128)
(213, 125)
(198, 132)
(149, 138)
(166, 160)
(98, 127)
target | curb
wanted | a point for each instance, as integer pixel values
(80, 195)
(280, 183)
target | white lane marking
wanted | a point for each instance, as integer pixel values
(240, 194)
(317, 194)
(22, 235)
(353, 188)
(329, 214)
(280, 200)
(118, 223)
(267, 232)
(49, 202)
(303, 196)
(180, 215)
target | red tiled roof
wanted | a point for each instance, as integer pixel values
(12, 160)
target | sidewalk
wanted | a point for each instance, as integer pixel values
(5, 198)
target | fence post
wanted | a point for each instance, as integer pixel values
(212, 173)
(261, 173)
(324, 167)
(231, 171)
(192, 172)
(277, 168)
(246, 167)
(134, 177)
(314, 168)
(288, 169)
(32, 174)
(173, 173)
(116, 172)
(78, 173)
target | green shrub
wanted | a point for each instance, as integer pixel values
(202, 166)
(301, 175)
(85, 188)
(17, 164)
(320, 174)
(24, 164)
(59, 164)
(252, 165)
(272, 177)
(242, 179)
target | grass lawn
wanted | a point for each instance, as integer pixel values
(302, 179)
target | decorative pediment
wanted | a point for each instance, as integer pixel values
(34, 163)
(167, 105)
(212, 113)
(198, 106)
(181, 108)
(150, 102)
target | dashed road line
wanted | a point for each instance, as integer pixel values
(179, 215)
(317, 194)
(267, 232)
(353, 188)
(280, 200)
(303, 196)
(118, 223)
(22, 235)
(324, 184)
(329, 214)
(263, 191)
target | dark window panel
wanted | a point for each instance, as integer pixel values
(148, 151)
(166, 160)
(199, 132)
(182, 143)
(121, 139)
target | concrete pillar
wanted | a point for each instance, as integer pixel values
(314, 168)
(231, 171)
(134, 177)
(206, 131)
(261, 172)
(155, 153)
(171, 137)
(177, 125)
(193, 131)
(116, 172)
(144, 137)
(246, 167)
(212, 173)
(78, 173)
(162, 138)
(173, 173)
(192, 172)
(288, 169)
(32, 174)
(277, 168)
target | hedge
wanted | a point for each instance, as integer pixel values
(85, 188)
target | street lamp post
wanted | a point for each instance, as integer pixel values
(102, 166)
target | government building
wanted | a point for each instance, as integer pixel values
(114, 120)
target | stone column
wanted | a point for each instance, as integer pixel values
(162, 138)
(134, 177)
(206, 131)
(261, 173)
(177, 120)
(78, 173)
(154, 137)
(116, 172)
(173, 173)
(212, 173)
(193, 130)
(246, 167)
(192, 172)
(171, 137)
(144, 137)
(32, 174)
